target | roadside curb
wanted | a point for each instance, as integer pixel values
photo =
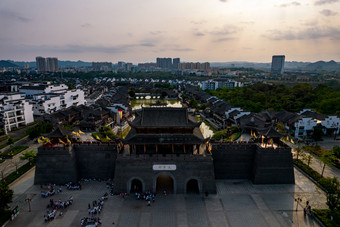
(18, 179)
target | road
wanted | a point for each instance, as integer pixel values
(10, 165)
(317, 165)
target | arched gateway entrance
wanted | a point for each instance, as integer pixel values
(192, 187)
(164, 182)
(136, 186)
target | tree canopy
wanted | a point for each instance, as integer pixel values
(6, 196)
(260, 97)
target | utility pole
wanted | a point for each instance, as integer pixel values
(28, 200)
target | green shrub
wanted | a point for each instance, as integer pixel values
(39, 129)
(325, 216)
(10, 141)
(220, 134)
(16, 174)
(234, 129)
(5, 216)
(15, 150)
(3, 138)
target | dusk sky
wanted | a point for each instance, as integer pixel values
(194, 30)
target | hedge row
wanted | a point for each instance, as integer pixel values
(16, 174)
(3, 138)
(325, 216)
(5, 216)
(14, 150)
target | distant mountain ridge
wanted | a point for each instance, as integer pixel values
(322, 65)
(289, 65)
(7, 64)
(62, 64)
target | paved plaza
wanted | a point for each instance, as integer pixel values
(237, 203)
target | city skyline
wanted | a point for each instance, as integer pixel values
(195, 30)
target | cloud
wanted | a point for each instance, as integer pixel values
(76, 48)
(226, 30)
(147, 44)
(156, 32)
(224, 39)
(183, 49)
(86, 25)
(290, 4)
(328, 13)
(199, 34)
(324, 2)
(13, 15)
(198, 22)
(304, 34)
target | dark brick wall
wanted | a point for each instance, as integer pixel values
(61, 165)
(55, 165)
(187, 167)
(228, 161)
(233, 161)
(273, 166)
(96, 161)
(249, 161)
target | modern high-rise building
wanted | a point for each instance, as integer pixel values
(52, 64)
(102, 66)
(164, 63)
(194, 66)
(278, 62)
(175, 63)
(41, 64)
(47, 64)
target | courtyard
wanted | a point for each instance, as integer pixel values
(237, 203)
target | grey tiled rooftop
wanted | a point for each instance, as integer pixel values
(237, 203)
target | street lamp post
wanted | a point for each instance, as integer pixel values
(28, 200)
(298, 200)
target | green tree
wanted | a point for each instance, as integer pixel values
(39, 129)
(132, 93)
(326, 158)
(299, 152)
(193, 103)
(336, 151)
(333, 194)
(30, 156)
(10, 140)
(6, 196)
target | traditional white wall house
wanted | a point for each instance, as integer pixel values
(15, 111)
(46, 104)
(47, 99)
(304, 125)
(43, 88)
(331, 125)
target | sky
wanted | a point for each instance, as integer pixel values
(194, 30)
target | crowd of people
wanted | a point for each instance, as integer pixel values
(90, 220)
(54, 206)
(96, 208)
(73, 186)
(50, 190)
(147, 196)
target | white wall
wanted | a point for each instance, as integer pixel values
(306, 124)
(28, 112)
